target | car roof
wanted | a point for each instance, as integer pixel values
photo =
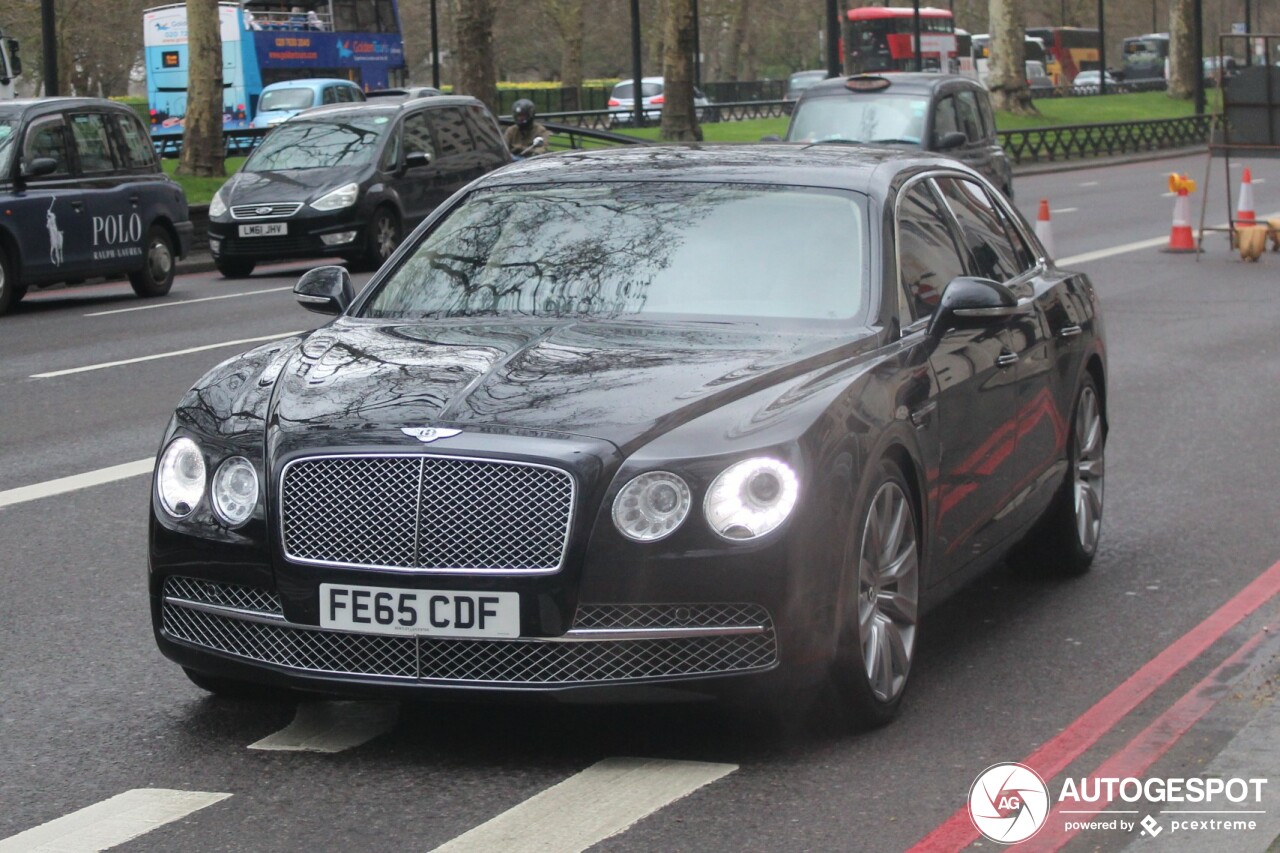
(861, 168)
(307, 81)
(388, 106)
(910, 82)
(643, 80)
(43, 106)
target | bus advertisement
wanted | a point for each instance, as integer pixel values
(883, 39)
(1068, 51)
(357, 40)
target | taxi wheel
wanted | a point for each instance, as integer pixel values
(10, 292)
(383, 237)
(882, 603)
(156, 276)
(232, 268)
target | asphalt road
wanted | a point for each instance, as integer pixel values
(89, 710)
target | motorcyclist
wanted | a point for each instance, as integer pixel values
(520, 136)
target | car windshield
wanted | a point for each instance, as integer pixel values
(351, 141)
(627, 250)
(860, 118)
(8, 141)
(627, 90)
(286, 99)
(800, 82)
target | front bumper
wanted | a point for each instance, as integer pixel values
(221, 628)
(304, 238)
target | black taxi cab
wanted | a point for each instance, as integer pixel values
(82, 196)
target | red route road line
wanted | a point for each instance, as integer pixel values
(958, 831)
(1145, 749)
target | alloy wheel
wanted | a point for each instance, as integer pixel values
(1089, 470)
(888, 591)
(159, 260)
(385, 237)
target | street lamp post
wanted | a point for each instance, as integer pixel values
(49, 44)
(1102, 50)
(637, 91)
(915, 5)
(435, 47)
(833, 38)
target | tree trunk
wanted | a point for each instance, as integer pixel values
(737, 41)
(571, 32)
(1008, 74)
(475, 73)
(202, 149)
(1182, 51)
(679, 119)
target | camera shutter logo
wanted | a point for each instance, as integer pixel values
(1008, 802)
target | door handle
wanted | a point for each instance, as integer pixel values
(133, 199)
(1007, 359)
(920, 416)
(77, 205)
(1069, 331)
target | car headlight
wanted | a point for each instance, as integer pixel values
(180, 477)
(217, 207)
(651, 506)
(235, 490)
(343, 196)
(751, 498)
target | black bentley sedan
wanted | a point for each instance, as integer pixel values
(718, 419)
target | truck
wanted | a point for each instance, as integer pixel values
(10, 66)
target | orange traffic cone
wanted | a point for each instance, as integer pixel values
(1044, 230)
(1244, 209)
(1181, 240)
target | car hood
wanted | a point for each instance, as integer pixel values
(354, 382)
(288, 185)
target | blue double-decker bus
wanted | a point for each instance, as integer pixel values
(264, 43)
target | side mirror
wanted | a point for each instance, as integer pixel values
(325, 290)
(974, 302)
(416, 159)
(950, 139)
(40, 166)
(773, 137)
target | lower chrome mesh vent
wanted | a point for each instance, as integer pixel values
(496, 662)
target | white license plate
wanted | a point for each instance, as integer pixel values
(425, 612)
(264, 229)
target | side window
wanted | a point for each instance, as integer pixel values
(330, 95)
(944, 118)
(988, 118)
(927, 254)
(93, 143)
(981, 229)
(970, 119)
(1026, 257)
(347, 94)
(391, 155)
(47, 137)
(138, 153)
(417, 134)
(450, 132)
(483, 129)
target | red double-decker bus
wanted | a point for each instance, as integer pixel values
(883, 39)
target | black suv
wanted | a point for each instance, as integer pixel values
(945, 113)
(81, 196)
(350, 180)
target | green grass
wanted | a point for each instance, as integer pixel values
(201, 190)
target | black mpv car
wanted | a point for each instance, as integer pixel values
(945, 113)
(82, 195)
(350, 180)
(622, 422)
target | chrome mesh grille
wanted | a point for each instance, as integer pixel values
(426, 512)
(494, 662)
(225, 594)
(272, 210)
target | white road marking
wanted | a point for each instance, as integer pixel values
(51, 374)
(600, 802)
(1128, 247)
(109, 823)
(22, 494)
(187, 301)
(332, 726)
(1064, 210)
(1089, 184)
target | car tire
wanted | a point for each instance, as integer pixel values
(230, 688)
(382, 236)
(156, 276)
(881, 607)
(234, 267)
(10, 291)
(1065, 539)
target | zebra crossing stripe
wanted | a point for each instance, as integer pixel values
(104, 825)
